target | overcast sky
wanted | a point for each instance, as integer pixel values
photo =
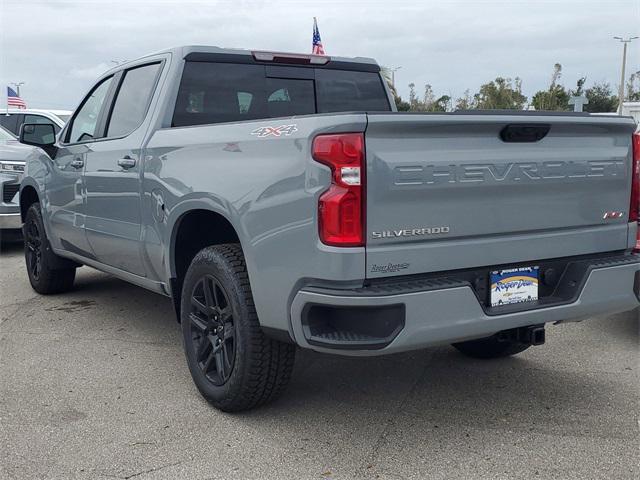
(58, 48)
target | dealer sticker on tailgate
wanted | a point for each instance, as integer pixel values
(516, 285)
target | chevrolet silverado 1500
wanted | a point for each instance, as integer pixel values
(280, 200)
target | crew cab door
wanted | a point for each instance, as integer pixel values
(112, 173)
(64, 189)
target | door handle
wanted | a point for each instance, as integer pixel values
(77, 163)
(127, 162)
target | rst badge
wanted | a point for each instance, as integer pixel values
(278, 131)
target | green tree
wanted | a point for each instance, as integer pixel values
(601, 98)
(428, 102)
(401, 105)
(442, 104)
(502, 93)
(633, 87)
(555, 97)
(388, 77)
(465, 102)
(415, 104)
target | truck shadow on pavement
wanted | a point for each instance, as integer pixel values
(437, 383)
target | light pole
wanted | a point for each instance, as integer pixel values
(393, 75)
(625, 41)
(17, 85)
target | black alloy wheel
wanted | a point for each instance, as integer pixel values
(234, 365)
(48, 273)
(213, 331)
(33, 242)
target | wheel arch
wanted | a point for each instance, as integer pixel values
(193, 230)
(28, 196)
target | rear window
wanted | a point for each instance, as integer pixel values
(223, 92)
(341, 90)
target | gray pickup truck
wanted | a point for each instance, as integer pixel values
(280, 200)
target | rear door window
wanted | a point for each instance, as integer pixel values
(132, 100)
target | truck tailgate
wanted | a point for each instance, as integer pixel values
(456, 191)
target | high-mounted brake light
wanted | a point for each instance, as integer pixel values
(280, 57)
(341, 209)
(634, 210)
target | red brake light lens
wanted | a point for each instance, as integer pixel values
(341, 209)
(634, 210)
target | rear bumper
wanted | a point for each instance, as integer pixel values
(450, 312)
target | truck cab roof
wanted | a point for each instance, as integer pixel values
(238, 55)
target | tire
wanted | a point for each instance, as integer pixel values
(490, 347)
(233, 364)
(48, 273)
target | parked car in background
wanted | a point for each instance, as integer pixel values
(13, 119)
(12, 159)
(280, 200)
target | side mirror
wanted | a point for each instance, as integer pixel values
(39, 135)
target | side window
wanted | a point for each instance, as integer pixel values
(132, 100)
(10, 122)
(84, 123)
(40, 119)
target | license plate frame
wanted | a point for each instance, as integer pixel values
(512, 286)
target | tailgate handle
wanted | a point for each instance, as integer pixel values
(523, 133)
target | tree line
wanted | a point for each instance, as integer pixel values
(506, 93)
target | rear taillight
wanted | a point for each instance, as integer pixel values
(634, 210)
(341, 209)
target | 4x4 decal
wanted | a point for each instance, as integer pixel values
(275, 131)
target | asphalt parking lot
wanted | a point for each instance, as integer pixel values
(94, 385)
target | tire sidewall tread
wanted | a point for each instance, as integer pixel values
(262, 366)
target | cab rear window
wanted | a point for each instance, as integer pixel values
(223, 92)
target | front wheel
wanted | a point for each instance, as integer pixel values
(47, 272)
(233, 364)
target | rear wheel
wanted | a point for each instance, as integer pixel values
(490, 347)
(48, 273)
(233, 364)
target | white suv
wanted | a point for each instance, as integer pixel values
(13, 119)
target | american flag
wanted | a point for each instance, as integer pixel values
(317, 48)
(13, 100)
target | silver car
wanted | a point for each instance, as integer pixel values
(12, 159)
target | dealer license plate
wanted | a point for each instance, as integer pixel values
(515, 285)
